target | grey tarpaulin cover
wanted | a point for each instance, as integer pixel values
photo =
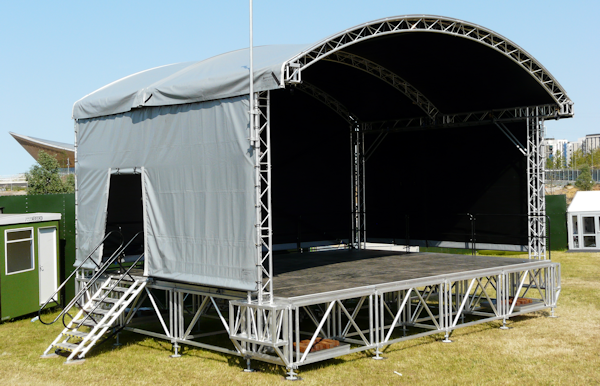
(186, 127)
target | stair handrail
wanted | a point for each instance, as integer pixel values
(109, 290)
(64, 283)
(90, 283)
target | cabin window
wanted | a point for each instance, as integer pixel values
(19, 250)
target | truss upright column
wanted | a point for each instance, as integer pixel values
(535, 186)
(261, 136)
(358, 236)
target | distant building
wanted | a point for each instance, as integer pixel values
(64, 152)
(553, 145)
(591, 142)
(572, 147)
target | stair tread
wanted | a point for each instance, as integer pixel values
(66, 346)
(98, 311)
(76, 334)
(107, 300)
(89, 322)
(135, 287)
(119, 289)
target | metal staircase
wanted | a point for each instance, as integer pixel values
(106, 297)
(100, 313)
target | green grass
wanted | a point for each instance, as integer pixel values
(537, 350)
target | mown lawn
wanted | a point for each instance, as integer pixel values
(537, 350)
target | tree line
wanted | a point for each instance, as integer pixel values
(578, 159)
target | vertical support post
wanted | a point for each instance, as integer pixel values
(502, 299)
(174, 319)
(535, 186)
(76, 193)
(264, 229)
(378, 323)
(358, 237)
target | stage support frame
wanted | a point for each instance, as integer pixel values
(371, 318)
(536, 207)
(261, 136)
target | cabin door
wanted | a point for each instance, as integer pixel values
(47, 262)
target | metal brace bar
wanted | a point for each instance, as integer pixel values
(511, 136)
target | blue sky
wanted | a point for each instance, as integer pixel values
(54, 53)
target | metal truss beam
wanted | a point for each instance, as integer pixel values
(328, 101)
(514, 114)
(387, 76)
(435, 24)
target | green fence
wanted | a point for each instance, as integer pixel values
(556, 209)
(51, 203)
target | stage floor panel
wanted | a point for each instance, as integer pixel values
(301, 274)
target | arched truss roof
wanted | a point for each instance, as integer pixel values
(339, 47)
(328, 101)
(387, 76)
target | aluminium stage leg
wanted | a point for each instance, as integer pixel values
(378, 324)
(176, 350)
(447, 337)
(446, 308)
(248, 368)
(292, 375)
(504, 326)
(117, 343)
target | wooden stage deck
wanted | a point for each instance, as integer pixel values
(318, 272)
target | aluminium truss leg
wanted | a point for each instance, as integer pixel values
(261, 128)
(535, 186)
(357, 140)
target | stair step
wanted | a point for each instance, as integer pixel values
(66, 346)
(89, 322)
(123, 280)
(98, 311)
(76, 334)
(98, 326)
(107, 300)
(119, 289)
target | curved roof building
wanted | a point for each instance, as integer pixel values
(64, 152)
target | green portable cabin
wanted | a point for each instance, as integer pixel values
(29, 262)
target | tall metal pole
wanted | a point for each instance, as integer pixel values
(251, 73)
(255, 143)
(252, 139)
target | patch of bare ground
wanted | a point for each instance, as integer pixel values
(567, 190)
